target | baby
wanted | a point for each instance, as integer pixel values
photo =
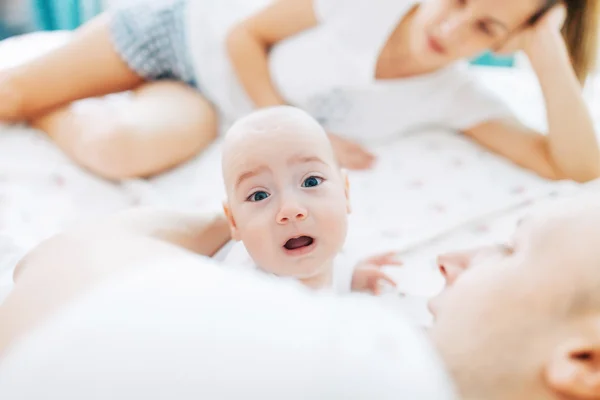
(287, 201)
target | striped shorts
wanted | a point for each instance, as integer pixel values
(150, 37)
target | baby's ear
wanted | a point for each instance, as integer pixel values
(574, 370)
(235, 235)
(347, 190)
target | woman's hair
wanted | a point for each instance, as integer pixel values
(580, 32)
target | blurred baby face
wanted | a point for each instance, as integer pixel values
(287, 200)
(498, 320)
(446, 30)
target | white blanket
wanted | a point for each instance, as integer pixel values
(424, 186)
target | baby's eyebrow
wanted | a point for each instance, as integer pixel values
(248, 174)
(305, 159)
(297, 159)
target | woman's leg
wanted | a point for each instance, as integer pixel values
(88, 65)
(155, 127)
(158, 125)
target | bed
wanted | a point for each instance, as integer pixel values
(428, 192)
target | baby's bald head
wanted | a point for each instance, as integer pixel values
(564, 241)
(538, 298)
(281, 128)
(284, 119)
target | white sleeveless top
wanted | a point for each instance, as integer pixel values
(329, 71)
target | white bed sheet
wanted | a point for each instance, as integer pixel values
(424, 185)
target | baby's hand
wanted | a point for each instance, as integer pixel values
(368, 274)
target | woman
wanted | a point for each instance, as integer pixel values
(365, 68)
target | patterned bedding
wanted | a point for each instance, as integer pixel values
(427, 187)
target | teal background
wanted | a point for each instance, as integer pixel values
(489, 59)
(53, 15)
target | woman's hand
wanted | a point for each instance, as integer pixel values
(351, 155)
(570, 148)
(533, 39)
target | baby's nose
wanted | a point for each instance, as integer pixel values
(291, 211)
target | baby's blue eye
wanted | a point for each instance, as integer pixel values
(312, 181)
(258, 196)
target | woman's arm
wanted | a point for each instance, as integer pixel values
(249, 42)
(570, 150)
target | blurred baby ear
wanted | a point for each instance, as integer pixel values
(574, 371)
(235, 235)
(347, 191)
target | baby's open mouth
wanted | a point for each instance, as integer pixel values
(298, 242)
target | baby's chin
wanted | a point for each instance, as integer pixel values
(313, 275)
(303, 273)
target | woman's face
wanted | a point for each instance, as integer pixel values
(447, 30)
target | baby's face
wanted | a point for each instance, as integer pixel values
(287, 201)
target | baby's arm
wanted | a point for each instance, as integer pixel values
(201, 233)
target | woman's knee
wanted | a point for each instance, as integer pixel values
(11, 98)
(121, 150)
(156, 127)
(108, 150)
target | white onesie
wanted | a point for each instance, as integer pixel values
(235, 254)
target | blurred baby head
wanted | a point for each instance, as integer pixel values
(287, 198)
(522, 321)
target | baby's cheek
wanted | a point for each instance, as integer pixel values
(335, 222)
(257, 235)
(261, 254)
(252, 229)
(255, 224)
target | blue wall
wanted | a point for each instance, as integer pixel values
(489, 59)
(63, 14)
